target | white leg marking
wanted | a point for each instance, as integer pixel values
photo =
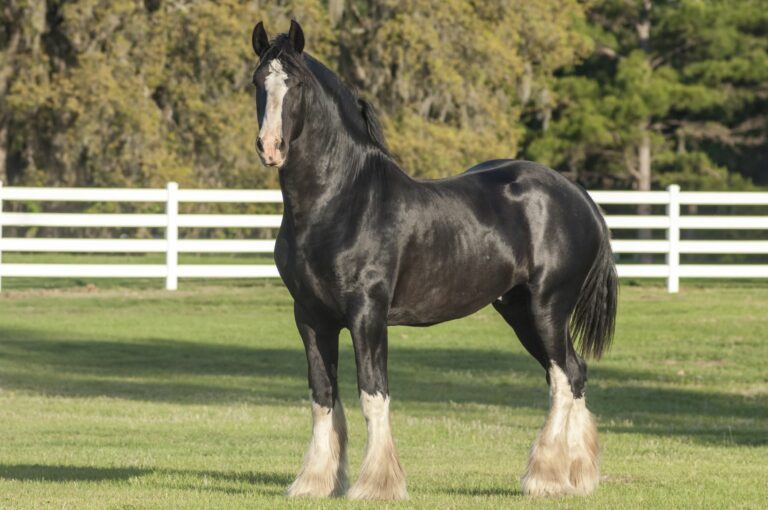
(382, 475)
(584, 450)
(548, 463)
(324, 472)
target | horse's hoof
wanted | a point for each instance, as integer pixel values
(316, 487)
(547, 472)
(584, 476)
(541, 487)
(392, 488)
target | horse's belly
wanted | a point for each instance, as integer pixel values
(429, 298)
(426, 316)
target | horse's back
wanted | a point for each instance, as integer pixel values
(558, 216)
(521, 172)
(520, 182)
(526, 202)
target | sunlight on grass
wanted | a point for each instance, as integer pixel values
(130, 397)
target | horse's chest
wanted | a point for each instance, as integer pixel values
(308, 281)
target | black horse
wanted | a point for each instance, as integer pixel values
(363, 246)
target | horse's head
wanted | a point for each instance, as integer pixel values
(279, 101)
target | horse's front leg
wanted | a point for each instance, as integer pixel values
(324, 472)
(381, 475)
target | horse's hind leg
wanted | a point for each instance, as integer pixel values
(324, 473)
(564, 457)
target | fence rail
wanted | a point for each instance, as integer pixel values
(672, 222)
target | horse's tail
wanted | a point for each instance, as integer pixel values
(594, 317)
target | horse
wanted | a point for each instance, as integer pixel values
(362, 245)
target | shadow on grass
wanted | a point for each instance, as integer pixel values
(275, 482)
(216, 481)
(56, 473)
(483, 491)
(161, 370)
(164, 370)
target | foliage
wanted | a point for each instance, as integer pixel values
(451, 76)
(137, 92)
(689, 78)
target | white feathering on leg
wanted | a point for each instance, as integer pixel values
(324, 473)
(584, 449)
(547, 473)
(381, 475)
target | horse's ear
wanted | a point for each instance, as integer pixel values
(296, 36)
(259, 39)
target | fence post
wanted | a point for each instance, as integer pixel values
(172, 237)
(673, 236)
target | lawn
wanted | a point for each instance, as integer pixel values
(131, 397)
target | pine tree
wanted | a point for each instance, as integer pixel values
(666, 84)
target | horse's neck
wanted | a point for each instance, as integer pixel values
(324, 169)
(319, 177)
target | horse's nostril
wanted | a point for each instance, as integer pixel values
(259, 145)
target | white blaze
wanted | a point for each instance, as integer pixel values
(272, 125)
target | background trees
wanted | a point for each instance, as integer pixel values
(616, 93)
(672, 92)
(452, 77)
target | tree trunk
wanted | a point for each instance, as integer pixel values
(644, 174)
(3, 151)
(10, 18)
(644, 180)
(644, 177)
(644, 162)
(335, 11)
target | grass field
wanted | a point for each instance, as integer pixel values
(138, 398)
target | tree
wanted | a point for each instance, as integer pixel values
(22, 24)
(667, 83)
(451, 77)
(134, 93)
(630, 93)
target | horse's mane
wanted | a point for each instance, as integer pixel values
(372, 123)
(357, 113)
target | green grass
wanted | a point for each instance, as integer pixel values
(138, 398)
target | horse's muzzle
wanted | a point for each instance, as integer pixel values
(271, 151)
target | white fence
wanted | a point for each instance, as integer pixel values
(171, 221)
